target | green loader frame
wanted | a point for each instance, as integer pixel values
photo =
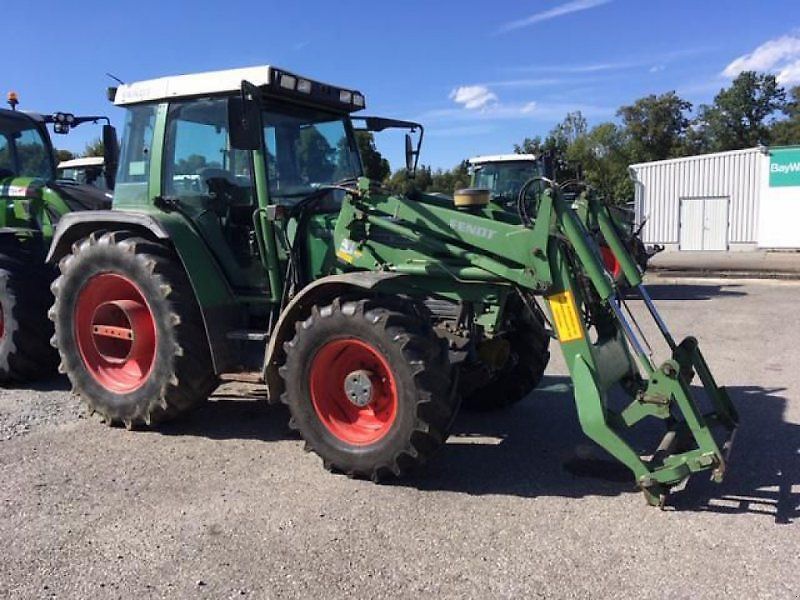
(556, 257)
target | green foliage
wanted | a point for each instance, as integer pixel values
(656, 126)
(603, 155)
(375, 166)
(740, 116)
(315, 156)
(786, 132)
(443, 181)
(94, 148)
(192, 164)
(62, 155)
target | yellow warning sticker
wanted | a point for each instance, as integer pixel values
(565, 316)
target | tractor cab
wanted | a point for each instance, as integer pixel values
(246, 155)
(504, 175)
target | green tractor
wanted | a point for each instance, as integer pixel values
(32, 201)
(244, 235)
(505, 174)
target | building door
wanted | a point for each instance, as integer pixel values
(704, 224)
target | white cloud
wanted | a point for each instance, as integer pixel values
(528, 108)
(557, 11)
(656, 68)
(473, 97)
(780, 56)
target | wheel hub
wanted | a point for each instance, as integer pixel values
(115, 331)
(353, 391)
(358, 387)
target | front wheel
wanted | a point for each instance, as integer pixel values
(129, 330)
(368, 387)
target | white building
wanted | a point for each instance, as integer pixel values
(738, 200)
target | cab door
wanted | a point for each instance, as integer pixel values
(213, 184)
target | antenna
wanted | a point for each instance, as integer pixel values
(115, 78)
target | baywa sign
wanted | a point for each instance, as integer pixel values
(784, 167)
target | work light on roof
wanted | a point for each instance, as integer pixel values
(288, 82)
(304, 86)
(358, 100)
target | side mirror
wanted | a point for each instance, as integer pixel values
(409, 153)
(244, 118)
(110, 154)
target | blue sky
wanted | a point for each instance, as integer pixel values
(480, 75)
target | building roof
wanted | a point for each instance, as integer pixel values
(764, 149)
(479, 160)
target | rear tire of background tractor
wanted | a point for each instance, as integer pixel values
(25, 331)
(129, 330)
(529, 345)
(369, 387)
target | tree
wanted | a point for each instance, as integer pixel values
(604, 156)
(447, 182)
(556, 145)
(315, 156)
(656, 126)
(192, 164)
(62, 155)
(375, 166)
(786, 132)
(741, 115)
(94, 148)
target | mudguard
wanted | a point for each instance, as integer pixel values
(212, 290)
(324, 289)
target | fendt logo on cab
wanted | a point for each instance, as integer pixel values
(476, 230)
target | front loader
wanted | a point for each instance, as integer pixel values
(244, 236)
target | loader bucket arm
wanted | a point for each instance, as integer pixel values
(554, 255)
(662, 391)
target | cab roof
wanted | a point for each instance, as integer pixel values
(230, 80)
(479, 160)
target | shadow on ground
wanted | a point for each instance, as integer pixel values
(699, 291)
(536, 448)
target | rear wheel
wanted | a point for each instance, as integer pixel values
(368, 387)
(25, 331)
(129, 330)
(528, 355)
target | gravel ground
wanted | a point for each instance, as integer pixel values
(225, 504)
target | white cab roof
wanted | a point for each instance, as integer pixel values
(479, 160)
(196, 84)
(87, 161)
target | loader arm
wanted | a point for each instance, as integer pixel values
(555, 256)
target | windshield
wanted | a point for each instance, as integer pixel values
(23, 152)
(504, 179)
(307, 149)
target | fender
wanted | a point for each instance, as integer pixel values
(319, 291)
(211, 289)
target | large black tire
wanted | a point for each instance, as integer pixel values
(399, 347)
(165, 368)
(528, 357)
(25, 331)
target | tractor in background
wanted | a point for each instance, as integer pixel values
(504, 175)
(244, 235)
(32, 202)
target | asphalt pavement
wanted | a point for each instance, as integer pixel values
(519, 504)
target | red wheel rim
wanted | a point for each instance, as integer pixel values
(115, 332)
(613, 266)
(330, 368)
